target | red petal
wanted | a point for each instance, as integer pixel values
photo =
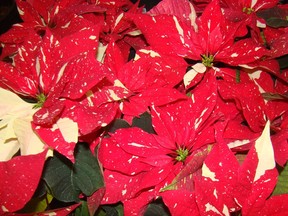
(242, 52)
(48, 115)
(257, 175)
(137, 205)
(133, 74)
(280, 145)
(11, 78)
(19, 179)
(134, 106)
(175, 41)
(114, 59)
(180, 202)
(120, 187)
(127, 163)
(183, 9)
(80, 77)
(279, 46)
(139, 143)
(161, 70)
(48, 60)
(275, 205)
(161, 96)
(215, 189)
(248, 99)
(212, 36)
(14, 37)
(90, 119)
(84, 40)
(28, 13)
(203, 98)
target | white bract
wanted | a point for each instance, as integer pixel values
(15, 127)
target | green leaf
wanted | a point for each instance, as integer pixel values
(157, 208)
(82, 210)
(58, 177)
(144, 122)
(66, 181)
(276, 22)
(238, 76)
(275, 17)
(282, 184)
(115, 210)
(37, 204)
(87, 175)
(119, 209)
(118, 123)
(100, 212)
(283, 61)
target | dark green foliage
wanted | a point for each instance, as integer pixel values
(66, 181)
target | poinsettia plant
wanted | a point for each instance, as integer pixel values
(119, 108)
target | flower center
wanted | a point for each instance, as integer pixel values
(41, 98)
(247, 10)
(207, 60)
(182, 154)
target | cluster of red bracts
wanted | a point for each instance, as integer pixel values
(205, 71)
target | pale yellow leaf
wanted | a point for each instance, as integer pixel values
(29, 142)
(8, 149)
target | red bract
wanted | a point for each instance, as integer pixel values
(242, 93)
(185, 104)
(181, 128)
(140, 83)
(246, 9)
(270, 206)
(19, 179)
(22, 77)
(180, 202)
(240, 131)
(276, 40)
(258, 175)
(61, 18)
(74, 108)
(53, 15)
(227, 187)
(38, 62)
(39, 68)
(117, 29)
(215, 188)
(205, 38)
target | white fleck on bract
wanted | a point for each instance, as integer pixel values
(137, 145)
(210, 207)
(237, 143)
(92, 37)
(179, 29)
(124, 192)
(265, 153)
(189, 76)
(4, 209)
(206, 172)
(68, 129)
(152, 53)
